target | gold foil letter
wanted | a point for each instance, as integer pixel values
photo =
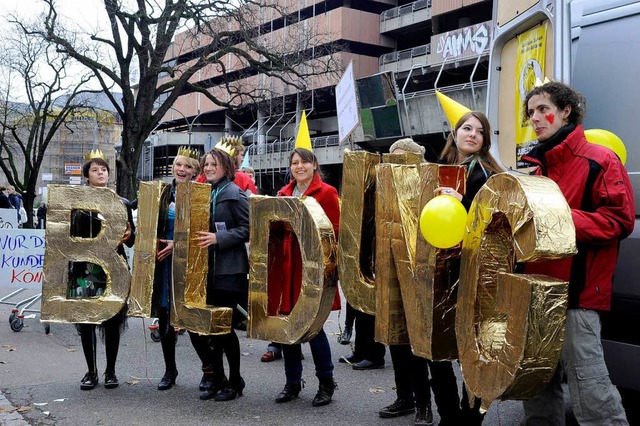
(356, 241)
(190, 265)
(391, 327)
(419, 299)
(319, 274)
(153, 201)
(510, 327)
(101, 250)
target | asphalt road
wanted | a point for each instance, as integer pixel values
(40, 376)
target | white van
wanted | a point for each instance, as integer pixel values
(594, 45)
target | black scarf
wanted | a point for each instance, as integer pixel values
(540, 150)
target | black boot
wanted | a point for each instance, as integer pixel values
(289, 392)
(325, 392)
(110, 380)
(424, 416)
(207, 381)
(231, 391)
(89, 381)
(168, 380)
(400, 407)
(215, 386)
(168, 342)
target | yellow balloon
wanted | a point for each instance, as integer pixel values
(443, 221)
(609, 140)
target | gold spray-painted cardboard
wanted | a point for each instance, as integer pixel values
(317, 243)
(190, 265)
(509, 326)
(153, 202)
(62, 248)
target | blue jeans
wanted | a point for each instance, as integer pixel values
(321, 352)
(595, 401)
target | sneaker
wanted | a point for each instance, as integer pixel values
(424, 416)
(400, 407)
(351, 359)
(89, 381)
(271, 356)
(110, 381)
(365, 364)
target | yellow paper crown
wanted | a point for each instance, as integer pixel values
(230, 145)
(539, 82)
(95, 154)
(188, 152)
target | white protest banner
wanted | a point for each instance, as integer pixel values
(8, 219)
(347, 104)
(21, 258)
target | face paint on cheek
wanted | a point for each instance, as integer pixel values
(550, 118)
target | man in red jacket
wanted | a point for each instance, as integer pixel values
(599, 193)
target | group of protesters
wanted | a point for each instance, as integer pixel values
(592, 179)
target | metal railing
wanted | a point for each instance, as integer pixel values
(389, 58)
(446, 89)
(287, 145)
(405, 9)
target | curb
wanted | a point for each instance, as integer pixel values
(8, 414)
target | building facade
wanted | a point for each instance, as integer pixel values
(401, 52)
(82, 132)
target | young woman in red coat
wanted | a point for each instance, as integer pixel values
(285, 279)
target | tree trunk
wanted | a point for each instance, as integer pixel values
(29, 196)
(126, 165)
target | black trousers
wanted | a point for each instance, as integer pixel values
(365, 345)
(412, 382)
(167, 340)
(350, 316)
(210, 349)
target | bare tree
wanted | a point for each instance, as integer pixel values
(248, 60)
(38, 96)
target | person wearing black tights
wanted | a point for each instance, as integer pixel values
(87, 224)
(227, 284)
(413, 388)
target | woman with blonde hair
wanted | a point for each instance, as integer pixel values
(185, 168)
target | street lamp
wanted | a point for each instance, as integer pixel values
(189, 124)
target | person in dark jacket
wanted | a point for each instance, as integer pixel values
(185, 168)
(227, 283)
(41, 214)
(87, 224)
(599, 193)
(4, 200)
(411, 372)
(15, 199)
(468, 144)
